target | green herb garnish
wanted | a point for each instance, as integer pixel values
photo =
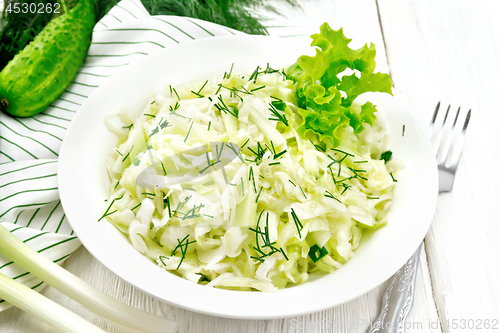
(123, 160)
(183, 247)
(330, 195)
(296, 220)
(386, 156)
(189, 131)
(316, 253)
(277, 115)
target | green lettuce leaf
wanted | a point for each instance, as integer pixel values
(325, 97)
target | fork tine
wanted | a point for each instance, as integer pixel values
(466, 124)
(434, 130)
(433, 121)
(447, 148)
(441, 142)
(456, 117)
(456, 147)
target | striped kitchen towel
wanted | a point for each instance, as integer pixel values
(29, 147)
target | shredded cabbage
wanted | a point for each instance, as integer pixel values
(216, 183)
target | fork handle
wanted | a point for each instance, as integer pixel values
(397, 299)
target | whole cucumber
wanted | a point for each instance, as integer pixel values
(38, 74)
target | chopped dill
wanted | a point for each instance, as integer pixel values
(330, 195)
(203, 86)
(163, 167)
(183, 247)
(258, 195)
(245, 143)
(123, 160)
(175, 107)
(167, 201)
(303, 193)
(197, 94)
(393, 179)
(107, 210)
(296, 220)
(254, 75)
(343, 152)
(176, 94)
(264, 235)
(279, 154)
(189, 131)
(228, 75)
(278, 116)
(258, 88)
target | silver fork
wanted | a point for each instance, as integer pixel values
(447, 139)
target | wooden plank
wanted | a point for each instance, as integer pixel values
(448, 50)
(355, 316)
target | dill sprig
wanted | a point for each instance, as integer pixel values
(228, 75)
(258, 195)
(264, 235)
(296, 220)
(276, 113)
(107, 213)
(330, 195)
(252, 178)
(393, 179)
(222, 107)
(318, 148)
(303, 193)
(182, 245)
(189, 132)
(161, 125)
(175, 107)
(167, 201)
(279, 154)
(193, 212)
(259, 153)
(245, 143)
(123, 160)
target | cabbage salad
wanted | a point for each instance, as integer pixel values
(254, 181)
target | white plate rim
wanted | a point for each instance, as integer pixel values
(235, 308)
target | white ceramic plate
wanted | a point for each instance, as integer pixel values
(84, 184)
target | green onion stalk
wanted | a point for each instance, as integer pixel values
(94, 300)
